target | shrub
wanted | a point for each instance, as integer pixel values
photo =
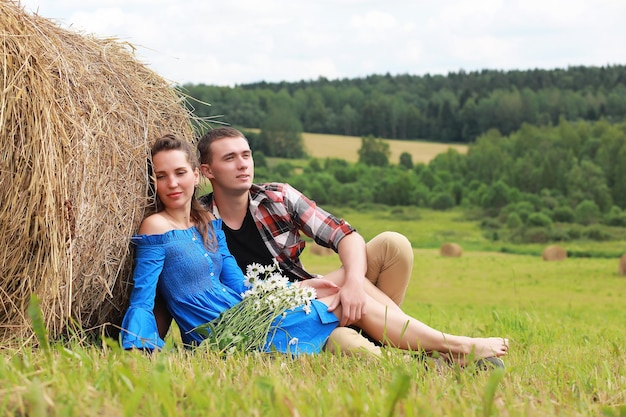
(524, 209)
(441, 201)
(262, 174)
(283, 169)
(536, 235)
(317, 192)
(539, 220)
(490, 224)
(314, 165)
(575, 232)
(514, 221)
(587, 212)
(563, 214)
(558, 234)
(259, 159)
(597, 233)
(615, 217)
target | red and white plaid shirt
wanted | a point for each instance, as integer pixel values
(281, 212)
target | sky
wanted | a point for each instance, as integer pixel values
(234, 42)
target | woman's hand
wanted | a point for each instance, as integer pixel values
(323, 287)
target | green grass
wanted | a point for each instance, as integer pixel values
(565, 321)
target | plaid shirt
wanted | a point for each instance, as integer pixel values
(280, 213)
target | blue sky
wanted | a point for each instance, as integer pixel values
(242, 41)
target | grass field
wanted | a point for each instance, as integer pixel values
(565, 321)
(346, 147)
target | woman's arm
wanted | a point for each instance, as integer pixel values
(139, 329)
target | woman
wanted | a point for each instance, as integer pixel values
(182, 250)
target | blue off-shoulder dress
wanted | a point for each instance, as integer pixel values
(197, 285)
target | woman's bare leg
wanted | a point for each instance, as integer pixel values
(338, 277)
(393, 327)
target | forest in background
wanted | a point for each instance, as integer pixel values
(545, 160)
(457, 107)
(539, 184)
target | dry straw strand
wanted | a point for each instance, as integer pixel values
(77, 116)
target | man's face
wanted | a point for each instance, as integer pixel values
(231, 168)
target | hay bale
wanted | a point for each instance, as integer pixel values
(320, 250)
(621, 270)
(77, 114)
(554, 253)
(451, 250)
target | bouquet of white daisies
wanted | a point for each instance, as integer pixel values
(250, 324)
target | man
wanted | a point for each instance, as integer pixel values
(263, 222)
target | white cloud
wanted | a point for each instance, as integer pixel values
(243, 41)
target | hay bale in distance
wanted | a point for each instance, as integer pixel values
(77, 117)
(553, 253)
(451, 250)
(621, 270)
(319, 250)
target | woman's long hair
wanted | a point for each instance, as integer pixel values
(199, 215)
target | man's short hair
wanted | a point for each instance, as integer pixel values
(204, 144)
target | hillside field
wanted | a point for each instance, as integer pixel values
(324, 146)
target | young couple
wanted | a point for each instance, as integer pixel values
(182, 255)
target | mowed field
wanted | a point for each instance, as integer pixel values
(324, 146)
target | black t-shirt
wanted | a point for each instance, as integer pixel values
(246, 244)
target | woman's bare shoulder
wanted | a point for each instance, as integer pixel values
(155, 224)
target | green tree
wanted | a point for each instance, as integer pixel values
(406, 160)
(259, 160)
(563, 214)
(284, 170)
(586, 181)
(539, 220)
(374, 152)
(497, 196)
(587, 212)
(513, 221)
(441, 201)
(615, 217)
(281, 132)
(314, 165)
(349, 120)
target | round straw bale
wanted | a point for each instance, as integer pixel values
(554, 253)
(320, 250)
(451, 249)
(621, 270)
(77, 117)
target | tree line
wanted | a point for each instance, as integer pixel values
(457, 107)
(539, 183)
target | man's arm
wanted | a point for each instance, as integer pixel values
(331, 231)
(351, 250)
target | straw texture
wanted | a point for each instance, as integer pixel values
(77, 117)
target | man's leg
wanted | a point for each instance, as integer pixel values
(389, 264)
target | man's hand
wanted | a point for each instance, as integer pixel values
(352, 299)
(323, 287)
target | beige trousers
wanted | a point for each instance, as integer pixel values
(389, 267)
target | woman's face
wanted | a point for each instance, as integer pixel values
(175, 179)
